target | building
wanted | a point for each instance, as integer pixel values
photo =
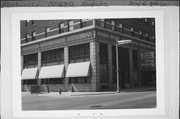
(80, 54)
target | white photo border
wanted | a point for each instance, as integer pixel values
(95, 13)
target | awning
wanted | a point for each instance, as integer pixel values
(29, 73)
(78, 69)
(56, 71)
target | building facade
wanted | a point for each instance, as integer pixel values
(80, 54)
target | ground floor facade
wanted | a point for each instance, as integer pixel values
(85, 61)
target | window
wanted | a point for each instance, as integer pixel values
(113, 25)
(33, 36)
(30, 60)
(147, 36)
(132, 31)
(27, 23)
(32, 22)
(79, 80)
(81, 23)
(53, 56)
(141, 34)
(53, 81)
(120, 25)
(60, 27)
(146, 21)
(79, 51)
(153, 23)
(47, 29)
(27, 38)
(71, 27)
(29, 82)
(102, 22)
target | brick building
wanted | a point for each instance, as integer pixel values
(81, 53)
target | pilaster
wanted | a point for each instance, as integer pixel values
(131, 68)
(110, 67)
(94, 59)
(39, 67)
(66, 62)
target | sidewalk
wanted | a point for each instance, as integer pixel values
(139, 89)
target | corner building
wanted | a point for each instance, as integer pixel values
(81, 54)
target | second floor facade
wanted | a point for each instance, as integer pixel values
(39, 30)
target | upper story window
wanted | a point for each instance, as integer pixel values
(147, 36)
(141, 34)
(102, 22)
(27, 23)
(132, 31)
(113, 25)
(120, 25)
(27, 38)
(146, 21)
(71, 23)
(81, 23)
(153, 23)
(33, 35)
(32, 22)
(47, 29)
(61, 27)
(153, 37)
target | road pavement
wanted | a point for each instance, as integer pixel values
(99, 100)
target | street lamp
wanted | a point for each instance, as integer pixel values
(117, 66)
(121, 42)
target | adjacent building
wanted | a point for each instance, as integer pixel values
(80, 54)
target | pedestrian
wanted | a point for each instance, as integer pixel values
(60, 91)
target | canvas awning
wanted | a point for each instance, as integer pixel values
(29, 73)
(56, 71)
(78, 69)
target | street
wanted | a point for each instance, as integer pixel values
(123, 100)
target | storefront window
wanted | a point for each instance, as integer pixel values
(79, 53)
(79, 80)
(29, 82)
(51, 56)
(53, 81)
(30, 60)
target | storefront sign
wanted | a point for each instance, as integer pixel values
(85, 35)
(147, 60)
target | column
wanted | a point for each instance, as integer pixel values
(131, 68)
(66, 62)
(139, 66)
(110, 67)
(22, 67)
(94, 59)
(39, 67)
(22, 63)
